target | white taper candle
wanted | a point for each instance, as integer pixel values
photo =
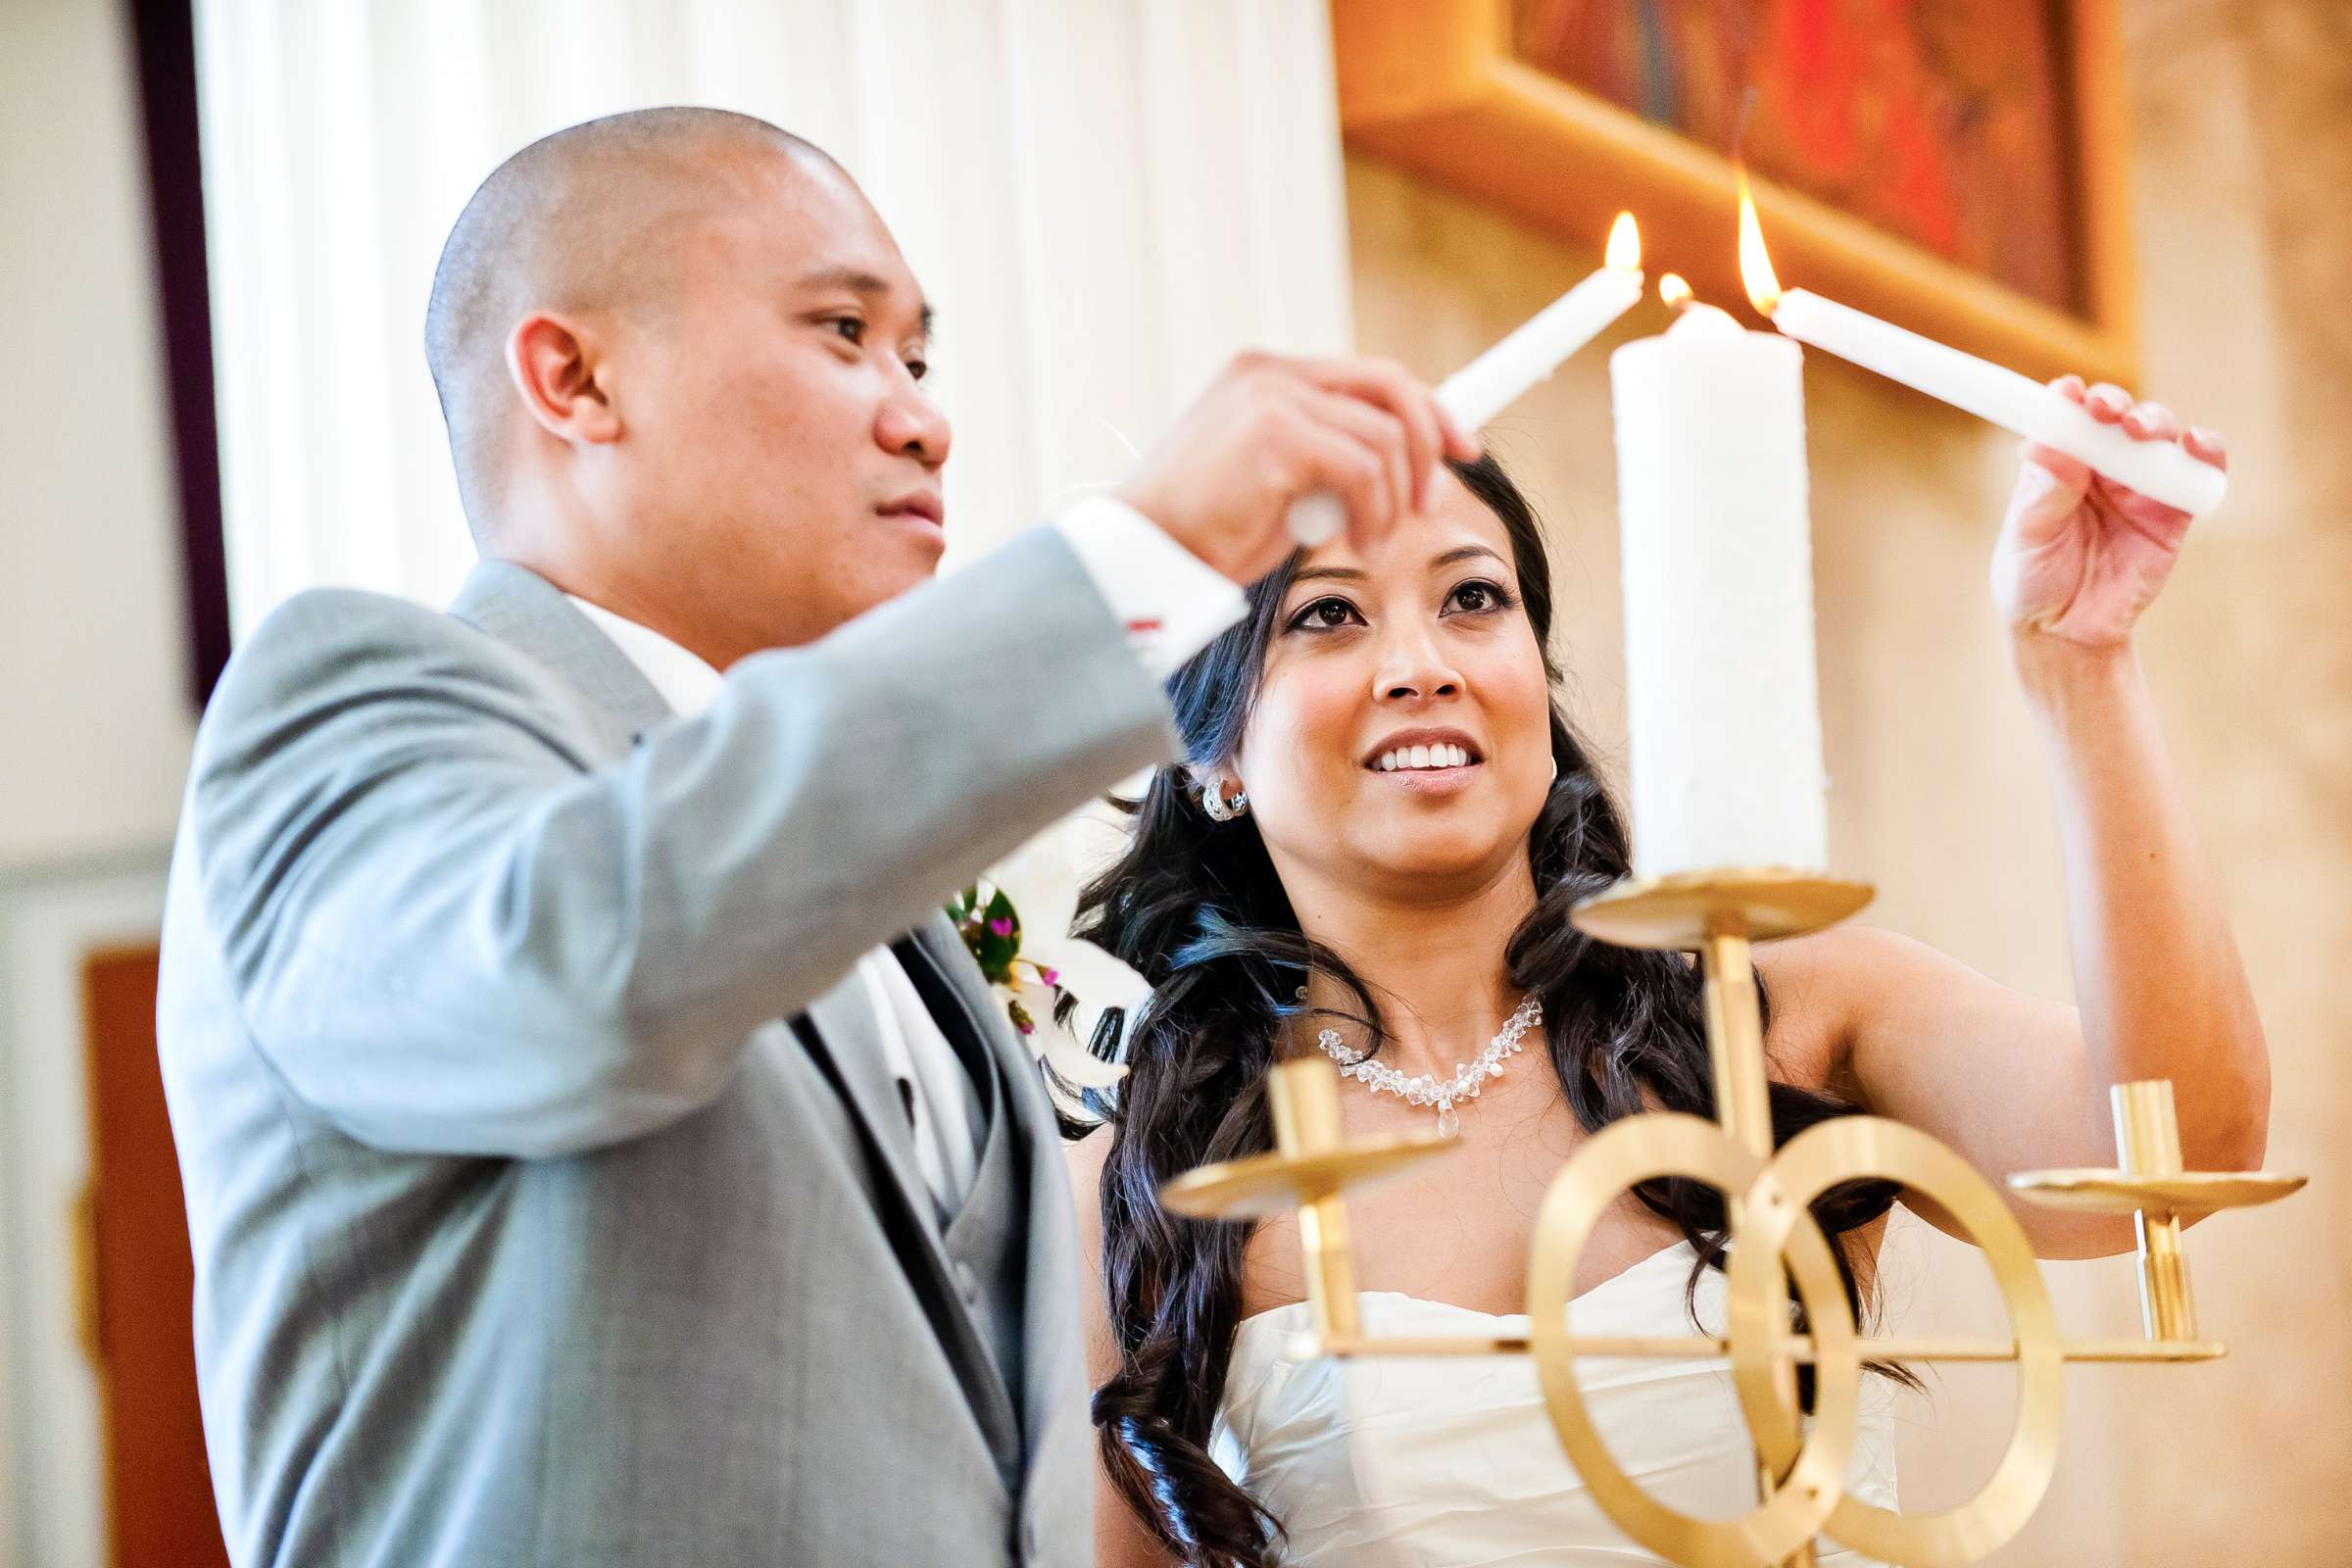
(1725, 720)
(2158, 469)
(1497, 378)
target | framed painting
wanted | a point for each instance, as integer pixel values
(1956, 166)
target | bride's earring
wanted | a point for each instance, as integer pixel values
(1218, 808)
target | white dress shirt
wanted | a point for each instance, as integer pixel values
(1172, 605)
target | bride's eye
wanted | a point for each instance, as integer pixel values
(1325, 614)
(1478, 597)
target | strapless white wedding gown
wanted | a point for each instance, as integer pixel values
(1382, 1463)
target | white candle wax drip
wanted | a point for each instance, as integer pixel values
(1724, 721)
(1497, 378)
(2158, 469)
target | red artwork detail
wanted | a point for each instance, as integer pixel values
(1942, 121)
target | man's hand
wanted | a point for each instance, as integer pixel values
(1270, 430)
(2081, 556)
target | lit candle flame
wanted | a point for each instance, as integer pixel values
(1674, 291)
(1755, 266)
(1625, 245)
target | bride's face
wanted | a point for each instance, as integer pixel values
(1401, 739)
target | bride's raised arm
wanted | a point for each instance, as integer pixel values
(2016, 1083)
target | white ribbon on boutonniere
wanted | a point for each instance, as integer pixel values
(1016, 921)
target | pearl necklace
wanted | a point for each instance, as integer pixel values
(1424, 1089)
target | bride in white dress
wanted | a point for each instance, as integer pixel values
(1385, 821)
(1454, 1461)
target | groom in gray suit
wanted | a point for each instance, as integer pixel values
(599, 1151)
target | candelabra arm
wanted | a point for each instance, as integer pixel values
(1735, 1019)
(1304, 1096)
(2147, 1144)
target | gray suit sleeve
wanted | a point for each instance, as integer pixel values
(448, 933)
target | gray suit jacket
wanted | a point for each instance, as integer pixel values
(529, 1230)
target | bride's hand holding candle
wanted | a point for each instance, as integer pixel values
(2081, 556)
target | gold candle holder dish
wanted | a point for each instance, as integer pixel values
(2191, 1194)
(1269, 1184)
(2158, 1194)
(1682, 910)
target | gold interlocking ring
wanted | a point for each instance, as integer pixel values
(1614, 1161)
(1863, 1148)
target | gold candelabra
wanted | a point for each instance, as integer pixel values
(1800, 1462)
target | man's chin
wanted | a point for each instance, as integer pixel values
(917, 532)
(890, 574)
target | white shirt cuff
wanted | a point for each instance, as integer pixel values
(1172, 602)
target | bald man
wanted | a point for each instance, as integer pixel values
(599, 1151)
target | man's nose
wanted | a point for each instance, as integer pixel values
(911, 424)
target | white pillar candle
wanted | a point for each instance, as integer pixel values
(1497, 378)
(1725, 720)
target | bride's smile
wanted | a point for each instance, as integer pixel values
(1442, 752)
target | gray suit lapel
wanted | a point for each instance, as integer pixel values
(1049, 1316)
(940, 943)
(845, 1017)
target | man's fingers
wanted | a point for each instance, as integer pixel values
(1389, 386)
(1385, 434)
(1324, 456)
(1462, 444)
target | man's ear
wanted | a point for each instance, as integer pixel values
(554, 366)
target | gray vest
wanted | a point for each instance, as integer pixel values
(985, 1258)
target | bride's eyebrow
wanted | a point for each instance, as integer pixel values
(1458, 553)
(1465, 553)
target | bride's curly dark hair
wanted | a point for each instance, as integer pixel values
(1196, 906)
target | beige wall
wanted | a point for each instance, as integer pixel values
(2244, 150)
(95, 721)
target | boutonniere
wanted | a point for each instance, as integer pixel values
(1057, 989)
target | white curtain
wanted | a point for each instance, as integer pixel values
(1103, 198)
